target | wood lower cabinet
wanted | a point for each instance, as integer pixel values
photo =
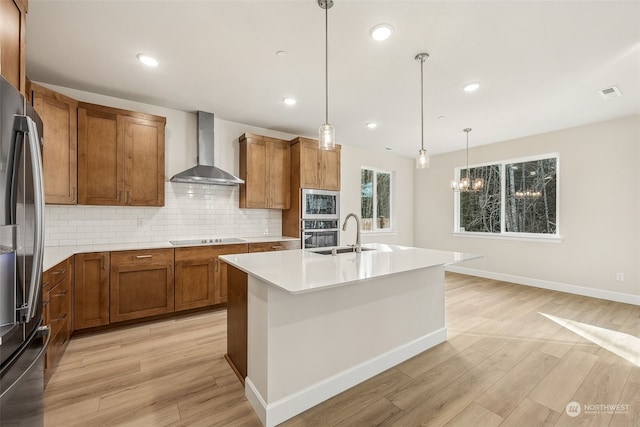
(91, 290)
(237, 321)
(265, 167)
(120, 157)
(59, 115)
(142, 284)
(201, 277)
(195, 278)
(57, 290)
(13, 24)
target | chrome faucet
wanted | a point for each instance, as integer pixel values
(358, 245)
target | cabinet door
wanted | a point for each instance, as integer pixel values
(144, 162)
(309, 165)
(142, 284)
(91, 290)
(220, 269)
(59, 114)
(12, 42)
(195, 278)
(330, 169)
(279, 175)
(254, 163)
(100, 157)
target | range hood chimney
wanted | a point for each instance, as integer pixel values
(205, 172)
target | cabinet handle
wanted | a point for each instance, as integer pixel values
(128, 197)
(73, 194)
(103, 261)
(64, 270)
(278, 247)
(64, 316)
(120, 196)
(144, 256)
(217, 264)
(61, 294)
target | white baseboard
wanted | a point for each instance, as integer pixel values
(281, 410)
(554, 286)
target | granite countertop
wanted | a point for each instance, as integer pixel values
(55, 254)
(302, 271)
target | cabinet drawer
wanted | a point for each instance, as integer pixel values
(274, 246)
(58, 307)
(142, 257)
(57, 274)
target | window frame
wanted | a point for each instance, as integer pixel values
(503, 234)
(374, 202)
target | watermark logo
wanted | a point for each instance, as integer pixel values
(573, 409)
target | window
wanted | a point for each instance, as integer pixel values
(375, 200)
(519, 198)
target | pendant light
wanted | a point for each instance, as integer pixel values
(422, 161)
(465, 184)
(327, 133)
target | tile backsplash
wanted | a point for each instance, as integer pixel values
(191, 211)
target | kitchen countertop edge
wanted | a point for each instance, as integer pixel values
(56, 254)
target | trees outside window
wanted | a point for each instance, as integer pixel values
(375, 199)
(518, 197)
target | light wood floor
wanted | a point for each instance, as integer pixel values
(504, 364)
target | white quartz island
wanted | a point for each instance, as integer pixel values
(303, 327)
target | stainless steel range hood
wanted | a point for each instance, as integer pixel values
(205, 172)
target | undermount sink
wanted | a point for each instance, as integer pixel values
(342, 250)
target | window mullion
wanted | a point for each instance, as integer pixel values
(503, 197)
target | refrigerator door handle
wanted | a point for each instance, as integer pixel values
(38, 202)
(29, 129)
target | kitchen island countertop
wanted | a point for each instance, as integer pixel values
(301, 271)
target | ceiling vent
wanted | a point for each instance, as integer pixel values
(610, 92)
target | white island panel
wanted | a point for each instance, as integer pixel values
(306, 348)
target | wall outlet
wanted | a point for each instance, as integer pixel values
(620, 277)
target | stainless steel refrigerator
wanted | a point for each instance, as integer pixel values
(23, 338)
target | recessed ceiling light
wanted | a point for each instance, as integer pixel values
(289, 101)
(281, 54)
(471, 87)
(442, 117)
(388, 148)
(372, 125)
(147, 60)
(381, 32)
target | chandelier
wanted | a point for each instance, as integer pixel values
(466, 184)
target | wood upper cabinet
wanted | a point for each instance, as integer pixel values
(142, 284)
(120, 157)
(59, 114)
(265, 167)
(91, 290)
(12, 42)
(57, 287)
(315, 168)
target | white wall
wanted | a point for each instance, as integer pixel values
(353, 159)
(196, 210)
(599, 212)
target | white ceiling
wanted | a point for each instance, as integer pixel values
(540, 63)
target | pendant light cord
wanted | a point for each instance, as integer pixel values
(422, 103)
(326, 63)
(467, 132)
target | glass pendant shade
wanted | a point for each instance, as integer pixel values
(327, 137)
(422, 161)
